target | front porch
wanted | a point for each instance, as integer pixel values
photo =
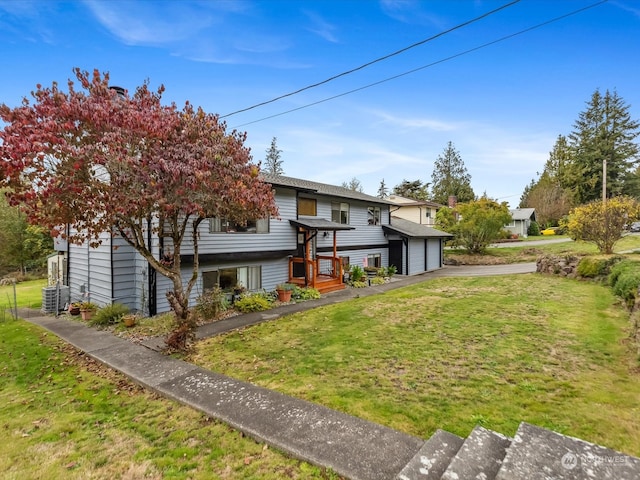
(323, 272)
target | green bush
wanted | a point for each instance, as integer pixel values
(306, 293)
(534, 229)
(359, 284)
(356, 273)
(625, 280)
(252, 303)
(211, 304)
(592, 267)
(377, 281)
(109, 315)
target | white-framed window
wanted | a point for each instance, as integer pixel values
(223, 225)
(374, 260)
(229, 278)
(340, 212)
(373, 215)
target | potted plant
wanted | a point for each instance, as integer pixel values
(87, 309)
(74, 308)
(129, 320)
(285, 290)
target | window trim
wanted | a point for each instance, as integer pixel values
(304, 202)
(342, 211)
(372, 218)
(262, 226)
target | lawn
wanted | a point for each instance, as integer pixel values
(451, 353)
(27, 294)
(516, 253)
(65, 416)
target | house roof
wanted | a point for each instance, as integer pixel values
(320, 188)
(407, 228)
(319, 224)
(523, 213)
(411, 202)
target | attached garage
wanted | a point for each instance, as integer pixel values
(414, 248)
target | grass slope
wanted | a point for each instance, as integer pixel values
(455, 352)
(65, 416)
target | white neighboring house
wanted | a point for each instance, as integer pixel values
(521, 219)
(421, 212)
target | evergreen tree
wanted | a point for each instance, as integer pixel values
(547, 195)
(450, 177)
(604, 132)
(383, 191)
(272, 162)
(354, 184)
(415, 190)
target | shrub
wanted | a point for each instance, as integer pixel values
(286, 287)
(377, 281)
(625, 279)
(359, 284)
(356, 273)
(306, 293)
(109, 315)
(592, 267)
(252, 303)
(534, 229)
(211, 304)
(391, 271)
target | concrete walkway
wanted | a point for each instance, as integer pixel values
(352, 447)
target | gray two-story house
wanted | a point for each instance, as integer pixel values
(321, 230)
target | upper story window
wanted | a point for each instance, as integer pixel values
(373, 215)
(340, 212)
(307, 206)
(217, 225)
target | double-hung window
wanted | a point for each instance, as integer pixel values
(373, 215)
(229, 278)
(340, 212)
(217, 225)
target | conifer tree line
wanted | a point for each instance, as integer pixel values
(602, 142)
(449, 178)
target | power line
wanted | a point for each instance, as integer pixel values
(457, 27)
(437, 62)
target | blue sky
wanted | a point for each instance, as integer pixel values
(502, 106)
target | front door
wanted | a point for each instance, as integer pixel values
(395, 255)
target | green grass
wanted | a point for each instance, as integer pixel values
(28, 294)
(455, 352)
(65, 416)
(519, 253)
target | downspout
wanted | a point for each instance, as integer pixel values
(151, 278)
(113, 289)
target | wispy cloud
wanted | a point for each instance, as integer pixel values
(321, 27)
(416, 122)
(27, 20)
(223, 32)
(411, 11)
(624, 6)
(146, 23)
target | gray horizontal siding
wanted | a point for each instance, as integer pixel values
(281, 234)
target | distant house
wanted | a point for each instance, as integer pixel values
(521, 219)
(421, 212)
(321, 230)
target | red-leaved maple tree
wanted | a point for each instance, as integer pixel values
(98, 160)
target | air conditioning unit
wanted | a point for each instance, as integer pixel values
(55, 298)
